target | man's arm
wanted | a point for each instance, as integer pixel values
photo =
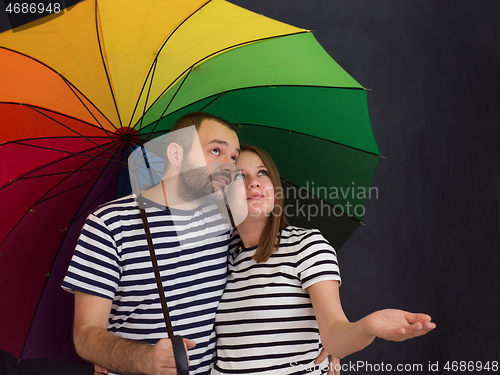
(95, 344)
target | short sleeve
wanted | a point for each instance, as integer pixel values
(94, 267)
(316, 260)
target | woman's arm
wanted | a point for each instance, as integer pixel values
(341, 337)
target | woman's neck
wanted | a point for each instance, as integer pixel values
(250, 231)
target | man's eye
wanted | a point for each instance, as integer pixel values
(215, 151)
(234, 158)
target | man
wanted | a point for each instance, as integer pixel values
(118, 320)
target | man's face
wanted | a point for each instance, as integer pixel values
(209, 167)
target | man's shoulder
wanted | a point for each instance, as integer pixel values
(120, 205)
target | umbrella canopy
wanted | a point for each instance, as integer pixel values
(80, 91)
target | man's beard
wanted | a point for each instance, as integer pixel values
(196, 184)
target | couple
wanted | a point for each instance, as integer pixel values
(258, 301)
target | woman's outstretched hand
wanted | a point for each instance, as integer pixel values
(397, 325)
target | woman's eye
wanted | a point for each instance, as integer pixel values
(262, 173)
(239, 175)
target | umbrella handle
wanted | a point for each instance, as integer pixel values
(181, 362)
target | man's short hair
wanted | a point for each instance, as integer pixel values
(190, 119)
(196, 118)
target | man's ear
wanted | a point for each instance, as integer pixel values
(175, 154)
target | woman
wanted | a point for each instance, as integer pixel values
(282, 300)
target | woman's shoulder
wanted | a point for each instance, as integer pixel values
(293, 232)
(307, 245)
(292, 235)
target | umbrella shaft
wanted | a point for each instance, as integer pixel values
(159, 282)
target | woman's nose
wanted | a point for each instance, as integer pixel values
(253, 184)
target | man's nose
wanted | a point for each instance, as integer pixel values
(229, 166)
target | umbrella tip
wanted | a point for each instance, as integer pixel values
(127, 136)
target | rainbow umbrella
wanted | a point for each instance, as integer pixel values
(79, 91)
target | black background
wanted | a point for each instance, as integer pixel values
(432, 237)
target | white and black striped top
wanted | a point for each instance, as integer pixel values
(112, 261)
(265, 322)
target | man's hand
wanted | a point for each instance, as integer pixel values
(98, 370)
(163, 359)
(95, 344)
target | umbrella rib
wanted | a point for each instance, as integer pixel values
(63, 173)
(79, 169)
(189, 69)
(152, 69)
(73, 188)
(55, 137)
(26, 177)
(54, 162)
(316, 137)
(65, 115)
(67, 82)
(202, 109)
(92, 204)
(67, 127)
(157, 122)
(216, 97)
(87, 108)
(105, 66)
(219, 95)
(20, 142)
(41, 199)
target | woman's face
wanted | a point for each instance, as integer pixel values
(258, 186)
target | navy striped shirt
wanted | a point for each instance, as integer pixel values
(112, 261)
(265, 322)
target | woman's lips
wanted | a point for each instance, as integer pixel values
(255, 196)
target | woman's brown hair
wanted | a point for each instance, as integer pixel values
(271, 236)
